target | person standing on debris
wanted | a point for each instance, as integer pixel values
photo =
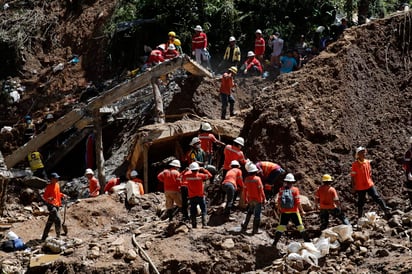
(207, 139)
(199, 46)
(170, 178)
(174, 41)
(171, 52)
(36, 164)
(194, 177)
(196, 153)
(53, 198)
(270, 173)
(252, 66)
(110, 184)
(137, 180)
(233, 152)
(156, 57)
(327, 200)
(407, 167)
(94, 185)
(226, 87)
(362, 183)
(254, 197)
(232, 55)
(260, 45)
(289, 206)
(276, 44)
(29, 130)
(232, 182)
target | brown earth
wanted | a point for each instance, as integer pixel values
(357, 92)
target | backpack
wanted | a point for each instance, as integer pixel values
(287, 200)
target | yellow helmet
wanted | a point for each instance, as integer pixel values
(177, 42)
(233, 69)
(327, 178)
(172, 33)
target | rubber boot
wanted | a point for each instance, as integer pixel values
(204, 222)
(305, 236)
(58, 228)
(278, 234)
(256, 223)
(46, 231)
(223, 116)
(245, 223)
(194, 223)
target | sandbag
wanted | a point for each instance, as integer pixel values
(132, 192)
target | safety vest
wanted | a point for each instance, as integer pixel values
(35, 161)
(235, 56)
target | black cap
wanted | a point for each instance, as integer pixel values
(54, 175)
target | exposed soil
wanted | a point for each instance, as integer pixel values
(357, 92)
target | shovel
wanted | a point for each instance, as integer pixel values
(64, 226)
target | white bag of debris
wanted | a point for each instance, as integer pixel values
(119, 188)
(132, 192)
(294, 247)
(371, 216)
(328, 233)
(294, 257)
(323, 245)
(309, 257)
(344, 232)
(311, 248)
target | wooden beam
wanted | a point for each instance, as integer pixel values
(160, 114)
(98, 132)
(41, 139)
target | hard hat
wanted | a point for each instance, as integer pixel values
(206, 127)
(240, 141)
(171, 47)
(234, 163)
(232, 38)
(12, 236)
(359, 149)
(172, 33)
(195, 140)
(320, 29)
(89, 171)
(258, 31)
(175, 163)
(54, 175)
(289, 178)
(233, 69)
(251, 168)
(49, 116)
(27, 117)
(327, 178)
(194, 166)
(198, 28)
(177, 42)
(161, 46)
(133, 173)
(250, 54)
(410, 140)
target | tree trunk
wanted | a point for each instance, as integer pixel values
(99, 149)
(160, 115)
(3, 194)
(363, 10)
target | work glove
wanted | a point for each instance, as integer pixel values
(193, 53)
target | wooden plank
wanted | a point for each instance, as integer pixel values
(41, 139)
(98, 133)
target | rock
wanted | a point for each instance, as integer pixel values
(69, 251)
(119, 252)
(306, 203)
(118, 241)
(115, 228)
(362, 236)
(395, 221)
(131, 254)
(182, 229)
(382, 253)
(363, 250)
(93, 254)
(227, 255)
(148, 245)
(228, 244)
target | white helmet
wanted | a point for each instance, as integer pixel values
(250, 54)
(206, 127)
(359, 149)
(89, 171)
(134, 174)
(232, 38)
(234, 163)
(12, 236)
(175, 163)
(258, 31)
(198, 28)
(194, 166)
(239, 141)
(289, 178)
(251, 168)
(171, 47)
(161, 46)
(195, 140)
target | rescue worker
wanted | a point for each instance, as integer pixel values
(36, 164)
(170, 178)
(292, 213)
(254, 197)
(174, 41)
(271, 174)
(110, 184)
(232, 55)
(327, 200)
(361, 178)
(137, 180)
(276, 44)
(260, 45)
(199, 46)
(252, 66)
(29, 130)
(94, 185)
(407, 167)
(196, 153)
(232, 182)
(226, 95)
(207, 139)
(53, 198)
(233, 152)
(194, 177)
(171, 52)
(155, 57)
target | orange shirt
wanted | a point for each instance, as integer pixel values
(194, 182)
(233, 153)
(296, 197)
(170, 178)
(260, 46)
(362, 175)
(226, 84)
(52, 194)
(327, 196)
(111, 183)
(253, 190)
(267, 167)
(206, 141)
(140, 184)
(234, 176)
(94, 187)
(199, 41)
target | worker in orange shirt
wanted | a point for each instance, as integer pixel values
(289, 206)
(110, 184)
(254, 197)
(226, 95)
(207, 139)
(271, 175)
(171, 52)
(137, 180)
(362, 183)
(53, 198)
(260, 45)
(327, 200)
(194, 178)
(94, 185)
(231, 183)
(199, 46)
(252, 66)
(233, 152)
(171, 181)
